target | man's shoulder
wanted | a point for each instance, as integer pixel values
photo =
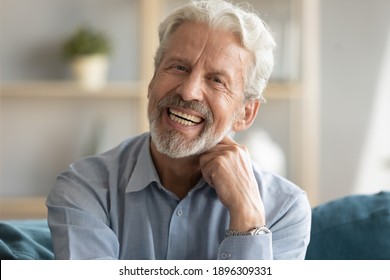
(276, 188)
(281, 196)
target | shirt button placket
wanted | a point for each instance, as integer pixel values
(178, 232)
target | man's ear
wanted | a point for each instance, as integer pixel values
(251, 108)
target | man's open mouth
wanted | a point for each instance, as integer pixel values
(183, 119)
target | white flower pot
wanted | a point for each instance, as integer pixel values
(90, 71)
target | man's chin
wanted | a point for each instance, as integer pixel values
(177, 146)
(182, 150)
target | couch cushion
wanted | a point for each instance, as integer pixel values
(354, 227)
(25, 240)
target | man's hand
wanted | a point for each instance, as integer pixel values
(228, 169)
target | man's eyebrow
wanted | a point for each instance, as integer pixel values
(178, 59)
(222, 72)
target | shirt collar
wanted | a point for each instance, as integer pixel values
(144, 172)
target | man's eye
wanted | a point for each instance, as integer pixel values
(217, 80)
(180, 68)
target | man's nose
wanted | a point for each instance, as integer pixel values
(191, 88)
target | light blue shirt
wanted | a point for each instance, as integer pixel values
(113, 206)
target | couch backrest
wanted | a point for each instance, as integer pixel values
(351, 228)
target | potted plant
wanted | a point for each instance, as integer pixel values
(88, 52)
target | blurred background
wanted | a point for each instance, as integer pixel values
(325, 125)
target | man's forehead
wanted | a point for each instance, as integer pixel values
(192, 40)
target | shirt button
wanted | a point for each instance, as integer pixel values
(179, 212)
(225, 256)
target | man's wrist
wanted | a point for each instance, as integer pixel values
(254, 231)
(243, 220)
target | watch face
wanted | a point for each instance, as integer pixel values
(261, 230)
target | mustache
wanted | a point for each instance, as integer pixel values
(176, 101)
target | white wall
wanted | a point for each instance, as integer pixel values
(354, 88)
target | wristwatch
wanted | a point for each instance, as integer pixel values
(254, 231)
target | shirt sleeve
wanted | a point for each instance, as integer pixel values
(256, 247)
(291, 233)
(78, 219)
(288, 239)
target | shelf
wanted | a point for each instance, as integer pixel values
(68, 89)
(23, 208)
(115, 90)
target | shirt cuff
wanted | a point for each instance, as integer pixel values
(250, 247)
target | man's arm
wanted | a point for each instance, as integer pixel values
(289, 237)
(228, 168)
(78, 220)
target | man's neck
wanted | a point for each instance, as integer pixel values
(177, 175)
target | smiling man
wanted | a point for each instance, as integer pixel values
(186, 190)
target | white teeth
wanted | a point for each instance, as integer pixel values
(181, 121)
(192, 118)
(184, 119)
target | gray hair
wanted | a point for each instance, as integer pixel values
(243, 22)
